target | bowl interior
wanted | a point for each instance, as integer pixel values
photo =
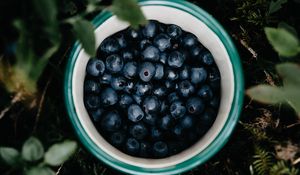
(206, 36)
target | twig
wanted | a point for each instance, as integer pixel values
(269, 78)
(58, 171)
(292, 125)
(246, 45)
(17, 98)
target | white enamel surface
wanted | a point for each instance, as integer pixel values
(206, 37)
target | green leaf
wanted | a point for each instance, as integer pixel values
(289, 73)
(284, 42)
(84, 31)
(32, 149)
(59, 153)
(266, 94)
(276, 5)
(10, 156)
(128, 10)
(40, 171)
(289, 28)
(46, 9)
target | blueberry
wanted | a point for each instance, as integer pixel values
(170, 84)
(160, 91)
(206, 58)
(163, 57)
(150, 53)
(195, 105)
(118, 83)
(150, 30)
(162, 42)
(175, 147)
(173, 97)
(215, 102)
(138, 131)
(164, 107)
(96, 114)
(90, 86)
(142, 88)
(195, 51)
(133, 34)
(184, 73)
(160, 149)
(127, 55)
(151, 104)
(144, 43)
(189, 40)
(105, 78)
(146, 71)
(144, 149)
(171, 74)
(129, 87)
(176, 59)
(117, 138)
(111, 121)
(121, 40)
(214, 78)
(135, 113)
(159, 71)
(186, 88)
(205, 92)
(177, 109)
(208, 117)
(125, 101)
(130, 69)
(95, 67)
(114, 63)
(108, 97)
(138, 99)
(150, 119)
(92, 102)
(178, 131)
(132, 146)
(198, 75)
(110, 45)
(165, 122)
(187, 122)
(174, 31)
(156, 134)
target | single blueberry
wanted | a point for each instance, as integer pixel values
(151, 104)
(125, 100)
(176, 59)
(110, 45)
(114, 63)
(170, 84)
(105, 78)
(195, 105)
(165, 122)
(189, 40)
(162, 42)
(96, 114)
(130, 69)
(163, 57)
(142, 88)
(215, 102)
(144, 43)
(135, 113)
(150, 53)
(150, 30)
(176, 147)
(117, 138)
(173, 97)
(145, 148)
(129, 87)
(127, 55)
(177, 109)
(132, 146)
(206, 58)
(195, 51)
(186, 88)
(178, 131)
(198, 75)
(121, 40)
(133, 34)
(90, 86)
(171, 74)
(160, 91)
(118, 83)
(187, 122)
(205, 93)
(95, 67)
(156, 134)
(164, 107)
(208, 117)
(108, 97)
(174, 31)
(214, 78)
(111, 121)
(138, 99)
(150, 119)
(159, 71)
(184, 73)
(138, 131)
(92, 102)
(146, 71)
(160, 149)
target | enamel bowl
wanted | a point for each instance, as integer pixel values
(212, 35)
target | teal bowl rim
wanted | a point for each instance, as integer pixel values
(224, 134)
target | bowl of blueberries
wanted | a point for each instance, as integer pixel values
(160, 99)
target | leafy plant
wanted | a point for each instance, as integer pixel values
(280, 168)
(276, 5)
(33, 160)
(262, 161)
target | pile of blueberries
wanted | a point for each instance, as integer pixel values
(152, 92)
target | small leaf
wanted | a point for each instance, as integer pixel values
(276, 5)
(40, 171)
(128, 10)
(84, 31)
(293, 97)
(59, 153)
(32, 149)
(289, 28)
(284, 42)
(10, 156)
(289, 73)
(266, 94)
(47, 10)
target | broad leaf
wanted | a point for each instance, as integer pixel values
(289, 28)
(266, 94)
(128, 10)
(276, 5)
(284, 42)
(290, 74)
(59, 153)
(40, 171)
(84, 31)
(47, 9)
(32, 149)
(293, 97)
(10, 156)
